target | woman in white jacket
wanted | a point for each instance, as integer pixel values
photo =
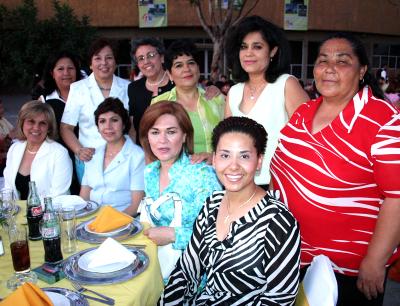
(36, 156)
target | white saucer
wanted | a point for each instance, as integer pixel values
(111, 233)
(84, 260)
(58, 299)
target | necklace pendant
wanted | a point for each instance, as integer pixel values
(227, 218)
(252, 97)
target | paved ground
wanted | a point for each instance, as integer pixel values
(12, 104)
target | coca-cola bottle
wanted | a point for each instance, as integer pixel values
(34, 212)
(51, 233)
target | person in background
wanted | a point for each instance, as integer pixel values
(337, 166)
(37, 156)
(114, 175)
(62, 69)
(244, 240)
(181, 62)
(7, 134)
(148, 54)
(83, 99)
(166, 135)
(259, 59)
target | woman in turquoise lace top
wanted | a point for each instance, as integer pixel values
(166, 135)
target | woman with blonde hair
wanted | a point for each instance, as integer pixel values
(36, 156)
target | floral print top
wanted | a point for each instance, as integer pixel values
(193, 182)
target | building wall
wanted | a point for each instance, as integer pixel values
(370, 16)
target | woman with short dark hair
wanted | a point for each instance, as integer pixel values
(148, 54)
(244, 240)
(83, 99)
(37, 156)
(182, 63)
(114, 175)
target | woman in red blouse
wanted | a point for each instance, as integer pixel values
(337, 166)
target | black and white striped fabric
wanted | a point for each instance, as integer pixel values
(256, 264)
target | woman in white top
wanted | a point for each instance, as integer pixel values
(114, 176)
(259, 58)
(36, 156)
(85, 96)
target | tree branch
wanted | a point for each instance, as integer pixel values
(203, 23)
(248, 11)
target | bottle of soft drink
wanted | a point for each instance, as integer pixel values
(34, 212)
(51, 233)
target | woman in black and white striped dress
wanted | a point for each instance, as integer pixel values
(244, 242)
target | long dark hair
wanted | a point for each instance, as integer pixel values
(361, 53)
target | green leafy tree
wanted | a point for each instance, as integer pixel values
(26, 42)
(216, 17)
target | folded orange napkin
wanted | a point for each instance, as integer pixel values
(109, 219)
(26, 295)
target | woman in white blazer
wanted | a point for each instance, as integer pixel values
(36, 156)
(114, 176)
(83, 99)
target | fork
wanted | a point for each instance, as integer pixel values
(106, 300)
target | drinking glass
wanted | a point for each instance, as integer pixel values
(68, 229)
(20, 256)
(7, 206)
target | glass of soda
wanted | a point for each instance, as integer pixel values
(20, 257)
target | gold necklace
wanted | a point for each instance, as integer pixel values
(254, 91)
(228, 217)
(31, 152)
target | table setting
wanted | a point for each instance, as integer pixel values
(106, 259)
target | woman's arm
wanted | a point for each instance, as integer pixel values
(85, 192)
(294, 95)
(67, 134)
(136, 197)
(228, 112)
(385, 239)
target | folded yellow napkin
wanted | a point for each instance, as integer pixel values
(109, 219)
(26, 295)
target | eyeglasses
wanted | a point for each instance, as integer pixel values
(149, 56)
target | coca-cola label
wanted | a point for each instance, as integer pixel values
(50, 232)
(36, 211)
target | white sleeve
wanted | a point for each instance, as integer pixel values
(62, 173)
(73, 106)
(136, 171)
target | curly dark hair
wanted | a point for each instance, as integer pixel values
(273, 35)
(49, 83)
(115, 105)
(243, 125)
(361, 53)
(180, 47)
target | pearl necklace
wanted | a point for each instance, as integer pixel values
(228, 217)
(158, 82)
(31, 152)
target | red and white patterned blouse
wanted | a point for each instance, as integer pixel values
(335, 180)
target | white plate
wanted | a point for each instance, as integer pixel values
(84, 260)
(114, 232)
(70, 201)
(58, 299)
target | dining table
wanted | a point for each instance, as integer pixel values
(143, 289)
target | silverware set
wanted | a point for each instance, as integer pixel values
(104, 299)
